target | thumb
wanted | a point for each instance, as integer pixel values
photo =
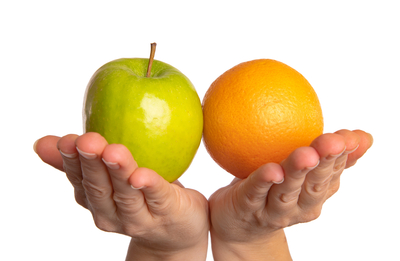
(158, 192)
(253, 191)
(47, 150)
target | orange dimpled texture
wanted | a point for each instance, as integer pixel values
(259, 112)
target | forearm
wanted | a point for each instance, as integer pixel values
(138, 252)
(271, 248)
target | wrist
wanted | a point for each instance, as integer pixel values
(139, 250)
(272, 247)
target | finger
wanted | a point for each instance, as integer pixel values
(96, 180)
(252, 192)
(72, 166)
(330, 148)
(70, 156)
(283, 198)
(365, 142)
(159, 194)
(46, 148)
(352, 141)
(121, 165)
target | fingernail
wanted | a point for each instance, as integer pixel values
(353, 150)
(34, 146)
(111, 165)
(336, 155)
(68, 155)
(311, 168)
(279, 182)
(137, 188)
(86, 155)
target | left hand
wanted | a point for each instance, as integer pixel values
(251, 213)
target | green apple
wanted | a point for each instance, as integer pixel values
(151, 108)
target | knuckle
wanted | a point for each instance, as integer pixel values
(316, 189)
(335, 188)
(290, 197)
(94, 191)
(311, 215)
(332, 190)
(258, 218)
(74, 179)
(80, 198)
(104, 224)
(134, 231)
(249, 202)
(339, 166)
(125, 200)
(280, 223)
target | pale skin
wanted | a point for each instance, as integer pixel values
(166, 221)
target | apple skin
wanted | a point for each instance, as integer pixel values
(158, 118)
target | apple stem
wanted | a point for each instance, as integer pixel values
(152, 53)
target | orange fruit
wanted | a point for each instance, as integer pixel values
(259, 112)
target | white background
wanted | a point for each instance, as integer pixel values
(348, 50)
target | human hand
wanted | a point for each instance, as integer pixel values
(248, 216)
(166, 221)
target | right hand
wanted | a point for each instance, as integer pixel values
(160, 217)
